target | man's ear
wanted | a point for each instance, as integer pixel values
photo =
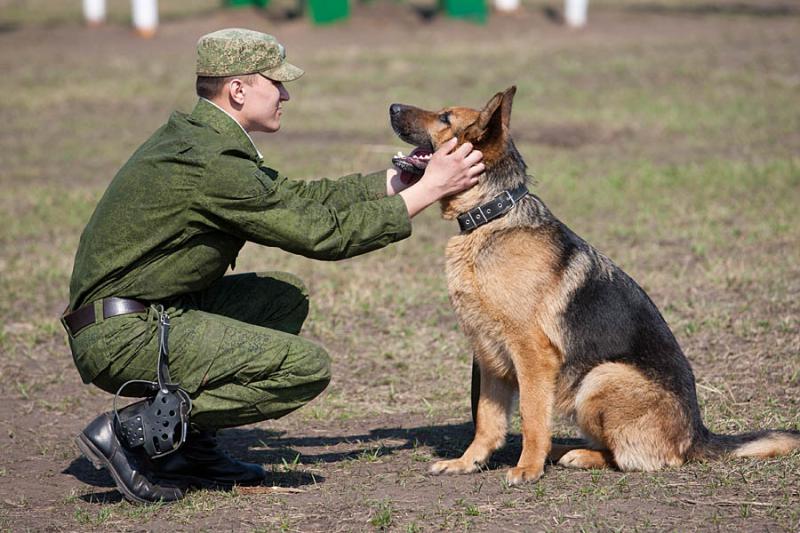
(236, 90)
(494, 118)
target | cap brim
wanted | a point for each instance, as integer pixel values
(284, 72)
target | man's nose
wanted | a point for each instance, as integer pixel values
(284, 94)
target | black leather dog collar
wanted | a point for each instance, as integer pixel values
(495, 208)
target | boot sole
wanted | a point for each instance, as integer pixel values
(100, 462)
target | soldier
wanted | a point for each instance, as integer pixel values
(168, 227)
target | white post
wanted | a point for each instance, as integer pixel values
(94, 11)
(145, 17)
(575, 12)
(506, 5)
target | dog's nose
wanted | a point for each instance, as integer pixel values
(395, 109)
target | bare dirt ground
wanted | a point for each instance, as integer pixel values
(698, 202)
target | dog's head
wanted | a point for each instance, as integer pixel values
(486, 129)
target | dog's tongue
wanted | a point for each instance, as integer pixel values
(414, 163)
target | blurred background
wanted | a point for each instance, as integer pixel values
(665, 132)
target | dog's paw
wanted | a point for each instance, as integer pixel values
(582, 458)
(454, 466)
(522, 474)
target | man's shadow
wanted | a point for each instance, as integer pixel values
(284, 457)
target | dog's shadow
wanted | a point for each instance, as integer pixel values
(444, 441)
(286, 457)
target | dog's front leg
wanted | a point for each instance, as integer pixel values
(537, 371)
(491, 425)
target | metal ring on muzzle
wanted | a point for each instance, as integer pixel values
(158, 423)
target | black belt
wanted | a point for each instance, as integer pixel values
(85, 316)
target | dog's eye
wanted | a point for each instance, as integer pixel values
(444, 118)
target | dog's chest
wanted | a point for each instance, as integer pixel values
(477, 314)
(503, 273)
(502, 282)
(462, 279)
(466, 285)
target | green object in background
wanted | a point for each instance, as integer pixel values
(243, 3)
(474, 10)
(327, 11)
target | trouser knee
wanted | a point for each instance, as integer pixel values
(289, 295)
(304, 374)
(315, 369)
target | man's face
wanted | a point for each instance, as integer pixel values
(262, 106)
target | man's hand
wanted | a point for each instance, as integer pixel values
(450, 171)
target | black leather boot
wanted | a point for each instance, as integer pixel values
(201, 462)
(99, 443)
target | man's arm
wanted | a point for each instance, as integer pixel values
(239, 198)
(341, 192)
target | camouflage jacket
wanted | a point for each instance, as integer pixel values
(177, 213)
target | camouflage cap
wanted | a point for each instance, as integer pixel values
(235, 51)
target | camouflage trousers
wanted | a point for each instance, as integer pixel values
(234, 347)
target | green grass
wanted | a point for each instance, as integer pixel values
(382, 518)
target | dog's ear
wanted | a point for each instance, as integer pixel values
(494, 118)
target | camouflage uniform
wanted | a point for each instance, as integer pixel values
(171, 223)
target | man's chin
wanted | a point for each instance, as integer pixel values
(268, 129)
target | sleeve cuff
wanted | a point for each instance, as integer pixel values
(399, 216)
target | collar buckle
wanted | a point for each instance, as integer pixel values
(510, 197)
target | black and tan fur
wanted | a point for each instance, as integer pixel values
(551, 318)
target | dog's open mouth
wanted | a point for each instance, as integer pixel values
(415, 162)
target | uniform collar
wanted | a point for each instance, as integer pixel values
(213, 115)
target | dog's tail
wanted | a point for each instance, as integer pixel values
(763, 444)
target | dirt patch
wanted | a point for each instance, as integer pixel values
(569, 135)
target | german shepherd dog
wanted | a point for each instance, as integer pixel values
(554, 320)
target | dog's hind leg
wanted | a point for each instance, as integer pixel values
(578, 453)
(642, 424)
(491, 425)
